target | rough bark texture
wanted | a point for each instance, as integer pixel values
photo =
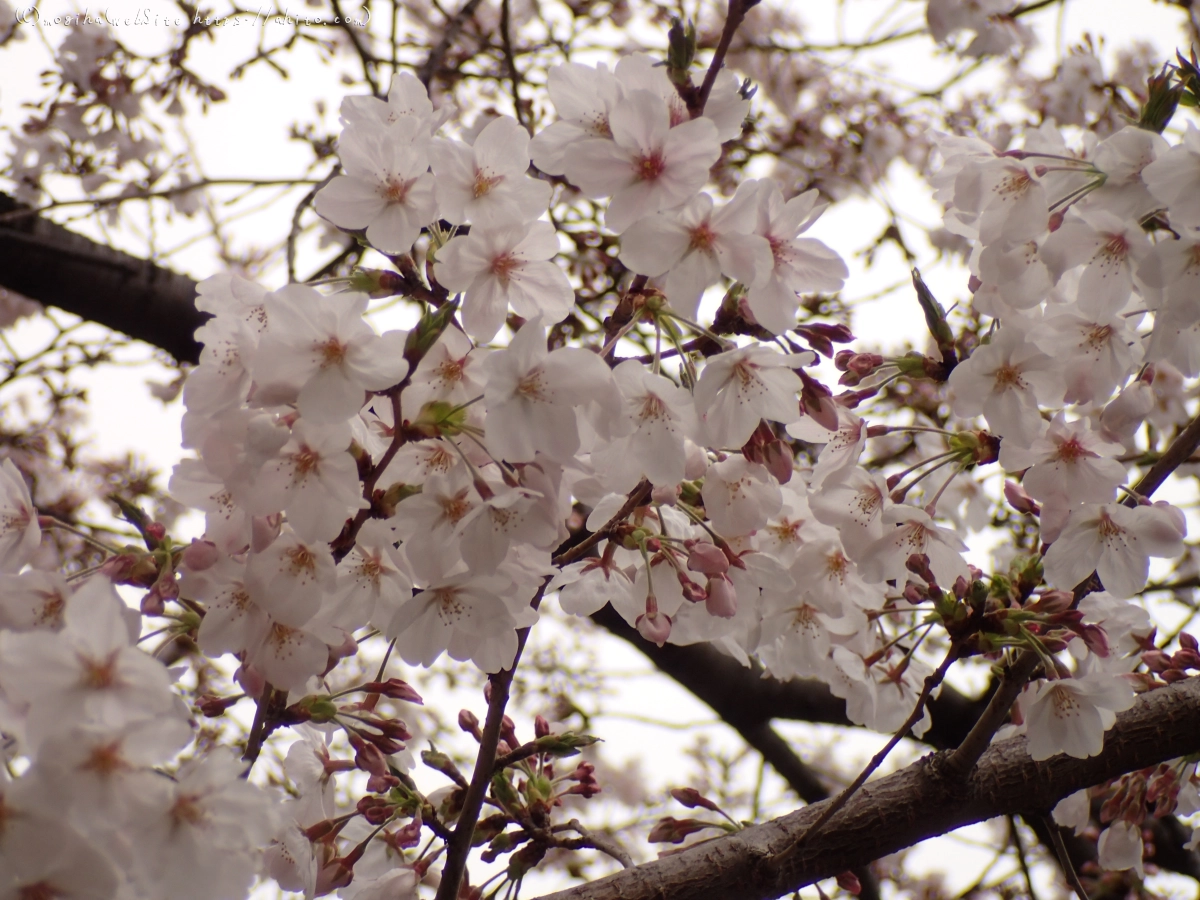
(57, 267)
(903, 809)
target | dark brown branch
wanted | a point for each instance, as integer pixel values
(733, 20)
(433, 64)
(904, 809)
(459, 848)
(56, 267)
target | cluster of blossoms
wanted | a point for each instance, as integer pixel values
(418, 483)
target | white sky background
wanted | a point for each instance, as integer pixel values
(247, 137)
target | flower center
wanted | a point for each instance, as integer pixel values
(302, 559)
(105, 760)
(531, 386)
(503, 266)
(1071, 451)
(650, 166)
(702, 238)
(395, 190)
(306, 461)
(100, 674)
(332, 352)
(484, 182)
(1009, 376)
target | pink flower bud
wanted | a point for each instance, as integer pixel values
(722, 598)
(1019, 500)
(667, 495)
(654, 627)
(252, 681)
(541, 727)
(779, 460)
(200, 555)
(696, 462)
(469, 722)
(692, 592)
(152, 603)
(707, 559)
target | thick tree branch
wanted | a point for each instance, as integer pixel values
(914, 804)
(56, 267)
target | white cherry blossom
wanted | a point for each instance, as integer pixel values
(484, 183)
(504, 266)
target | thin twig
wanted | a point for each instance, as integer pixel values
(434, 62)
(931, 681)
(261, 727)
(510, 60)
(295, 231)
(1021, 860)
(637, 497)
(1064, 858)
(733, 19)
(604, 843)
(464, 832)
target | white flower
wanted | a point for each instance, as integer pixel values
(319, 353)
(663, 416)
(90, 672)
(1070, 715)
(740, 496)
(1120, 847)
(531, 396)
(1005, 380)
(473, 617)
(290, 578)
(584, 98)
(1069, 463)
(1109, 247)
(1174, 178)
(1117, 542)
(485, 183)
(695, 245)
(202, 841)
(387, 188)
(503, 266)
(314, 479)
(648, 165)
(798, 264)
(1074, 812)
(739, 387)
(19, 531)
(907, 531)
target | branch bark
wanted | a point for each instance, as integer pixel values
(57, 267)
(914, 804)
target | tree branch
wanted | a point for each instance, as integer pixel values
(915, 804)
(56, 267)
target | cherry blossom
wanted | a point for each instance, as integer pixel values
(320, 354)
(1115, 541)
(506, 266)
(696, 244)
(387, 188)
(739, 387)
(484, 183)
(1070, 715)
(531, 396)
(798, 264)
(19, 531)
(648, 165)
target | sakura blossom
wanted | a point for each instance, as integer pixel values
(484, 183)
(507, 266)
(648, 165)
